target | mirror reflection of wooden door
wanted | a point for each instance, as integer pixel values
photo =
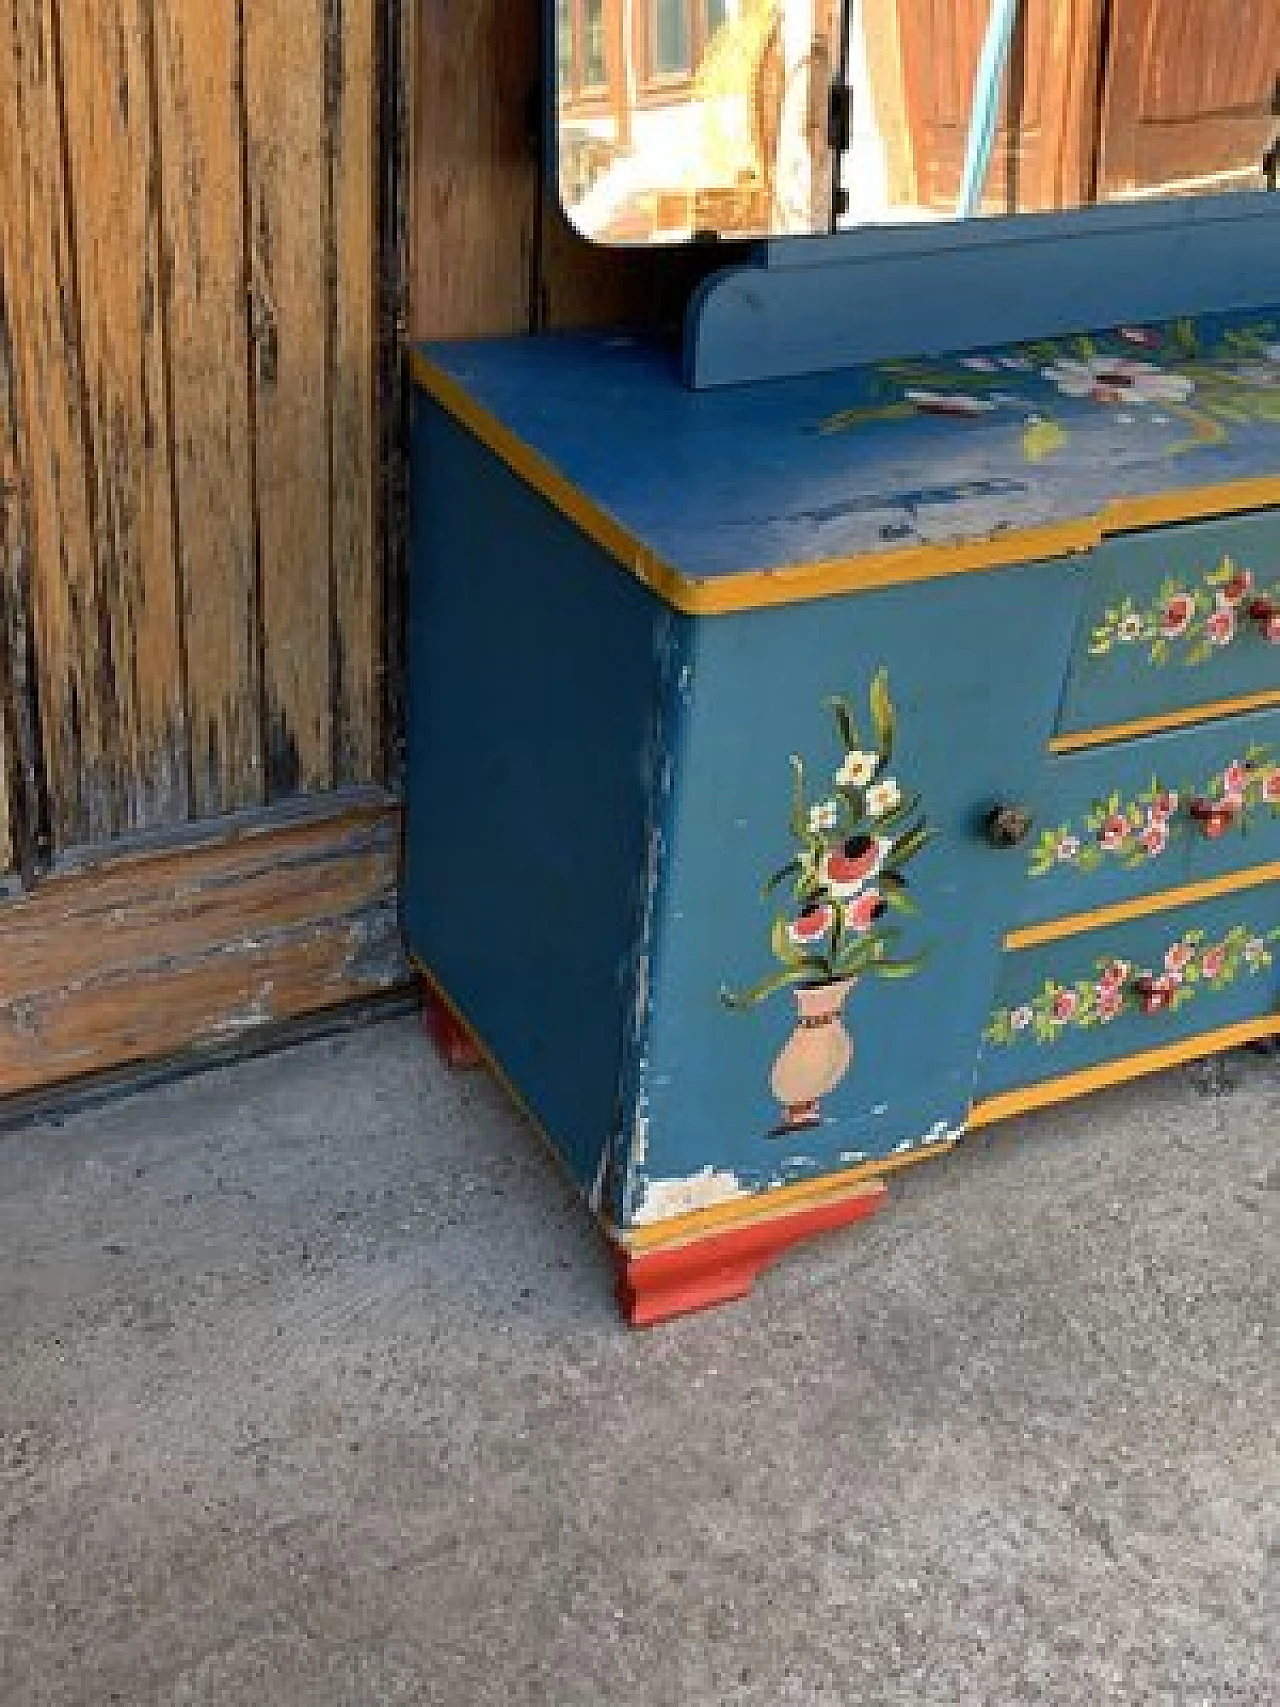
(1190, 97)
(924, 59)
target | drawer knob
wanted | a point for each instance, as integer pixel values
(1007, 825)
(1215, 817)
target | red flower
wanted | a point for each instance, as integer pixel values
(1222, 626)
(1271, 787)
(1154, 839)
(1110, 1001)
(1163, 807)
(1272, 630)
(1178, 958)
(1177, 616)
(1115, 833)
(1066, 1004)
(1213, 961)
(812, 925)
(1235, 777)
(864, 912)
(1236, 588)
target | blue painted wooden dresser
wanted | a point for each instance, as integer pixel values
(806, 772)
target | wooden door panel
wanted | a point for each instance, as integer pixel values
(1044, 150)
(1190, 94)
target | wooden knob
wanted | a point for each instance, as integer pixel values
(1007, 825)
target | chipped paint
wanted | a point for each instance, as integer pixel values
(666, 1198)
(940, 1133)
(659, 773)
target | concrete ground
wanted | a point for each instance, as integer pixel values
(312, 1393)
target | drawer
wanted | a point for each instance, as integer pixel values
(1123, 989)
(1136, 817)
(1175, 619)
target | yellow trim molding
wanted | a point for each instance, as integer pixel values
(768, 1205)
(1110, 1073)
(1079, 741)
(760, 589)
(1141, 907)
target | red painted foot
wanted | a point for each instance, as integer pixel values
(674, 1280)
(448, 1033)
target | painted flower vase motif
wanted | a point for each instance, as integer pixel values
(815, 1057)
(847, 896)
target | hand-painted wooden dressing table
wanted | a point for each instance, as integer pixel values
(819, 750)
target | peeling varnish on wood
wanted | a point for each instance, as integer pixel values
(152, 953)
(113, 194)
(197, 73)
(357, 605)
(290, 288)
(46, 320)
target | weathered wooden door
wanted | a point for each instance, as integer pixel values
(1191, 95)
(1043, 156)
(193, 221)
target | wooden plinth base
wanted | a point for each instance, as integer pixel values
(673, 1280)
(447, 1032)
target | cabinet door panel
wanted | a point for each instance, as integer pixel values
(725, 1083)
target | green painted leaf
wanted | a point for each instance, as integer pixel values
(882, 714)
(840, 708)
(792, 869)
(900, 901)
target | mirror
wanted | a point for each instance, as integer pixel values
(680, 118)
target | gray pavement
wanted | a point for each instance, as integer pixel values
(312, 1393)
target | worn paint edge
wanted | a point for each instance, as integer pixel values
(754, 1206)
(772, 1202)
(1141, 907)
(1081, 740)
(1111, 1073)
(372, 827)
(760, 589)
(365, 803)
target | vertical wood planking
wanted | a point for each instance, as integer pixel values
(77, 749)
(13, 532)
(22, 815)
(11, 522)
(290, 290)
(199, 106)
(7, 843)
(12, 517)
(112, 190)
(357, 641)
(475, 176)
(486, 257)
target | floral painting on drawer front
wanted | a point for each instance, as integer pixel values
(1191, 620)
(1193, 968)
(848, 901)
(1133, 832)
(1183, 384)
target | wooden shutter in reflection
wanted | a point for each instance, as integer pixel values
(1045, 145)
(1190, 93)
